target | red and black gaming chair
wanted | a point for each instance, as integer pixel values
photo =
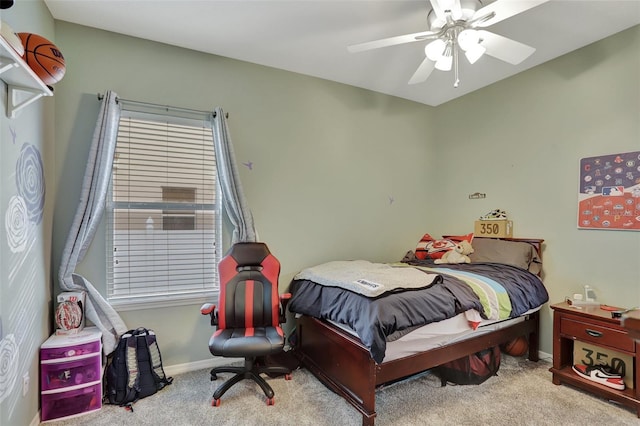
(248, 316)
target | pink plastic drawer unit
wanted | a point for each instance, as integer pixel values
(70, 373)
(65, 404)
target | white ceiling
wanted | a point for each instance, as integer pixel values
(311, 36)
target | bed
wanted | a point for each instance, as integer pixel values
(333, 342)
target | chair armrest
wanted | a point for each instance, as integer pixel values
(284, 300)
(207, 308)
(210, 309)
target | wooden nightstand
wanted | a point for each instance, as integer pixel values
(594, 326)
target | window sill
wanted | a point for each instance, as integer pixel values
(153, 302)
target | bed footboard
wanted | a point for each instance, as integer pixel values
(340, 362)
(343, 364)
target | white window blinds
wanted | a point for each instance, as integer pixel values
(164, 211)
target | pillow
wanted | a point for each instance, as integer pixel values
(430, 248)
(515, 253)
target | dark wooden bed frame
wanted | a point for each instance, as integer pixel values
(342, 363)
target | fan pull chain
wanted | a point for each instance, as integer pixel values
(456, 52)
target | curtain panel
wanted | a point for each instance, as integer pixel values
(88, 215)
(234, 201)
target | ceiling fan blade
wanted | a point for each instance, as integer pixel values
(391, 41)
(504, 48)
(441, 7)
(438, 10)
(503, 9)
(423, 72)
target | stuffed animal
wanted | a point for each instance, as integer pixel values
(459, 254)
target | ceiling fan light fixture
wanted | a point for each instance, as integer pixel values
(468, 39)
(435, 49)
(475, 53)
(446, 60)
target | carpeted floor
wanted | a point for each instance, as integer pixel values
(521, 394)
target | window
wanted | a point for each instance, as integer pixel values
(163, 213)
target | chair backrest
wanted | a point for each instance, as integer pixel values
(248, 287)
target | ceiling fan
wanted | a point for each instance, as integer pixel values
(455, 26)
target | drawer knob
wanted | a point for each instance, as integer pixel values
(593, 333)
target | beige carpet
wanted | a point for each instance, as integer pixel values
(521, 394)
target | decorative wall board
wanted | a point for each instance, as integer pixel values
(609, 195)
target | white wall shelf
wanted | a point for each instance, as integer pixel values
(24, 86)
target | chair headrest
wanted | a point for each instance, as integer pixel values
(249, 254)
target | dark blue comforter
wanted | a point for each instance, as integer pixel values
(376, 319)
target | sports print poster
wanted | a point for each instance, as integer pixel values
(609, 196)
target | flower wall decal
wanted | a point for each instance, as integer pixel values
(16, 222)
(8, 365)
(30, 181)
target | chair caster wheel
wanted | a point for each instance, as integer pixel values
(214, 377)
(288, 376)
(271, 401)
(215, 402)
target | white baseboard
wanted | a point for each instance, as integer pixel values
(545, 356)
(172, 370)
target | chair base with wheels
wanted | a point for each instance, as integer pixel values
(249, 371)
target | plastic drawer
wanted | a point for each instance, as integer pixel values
(63, 374)
(77, 401)
(70, 351)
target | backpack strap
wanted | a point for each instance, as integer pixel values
(156, 361)
(133, 369)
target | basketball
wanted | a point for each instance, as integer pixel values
(517, 347)
(43, 57)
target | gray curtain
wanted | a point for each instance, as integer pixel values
(235, 203)
(90, 210)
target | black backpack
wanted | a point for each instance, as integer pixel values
(135, 370)
(472, 369)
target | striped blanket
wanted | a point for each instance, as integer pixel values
(493, 296)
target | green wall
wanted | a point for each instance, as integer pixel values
(27, 150)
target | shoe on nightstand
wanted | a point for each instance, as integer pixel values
(600, 374)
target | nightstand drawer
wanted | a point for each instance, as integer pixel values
(597, 334)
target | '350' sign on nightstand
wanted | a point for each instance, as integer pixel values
(587, 354)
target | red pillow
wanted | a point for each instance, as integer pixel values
(430, 248)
